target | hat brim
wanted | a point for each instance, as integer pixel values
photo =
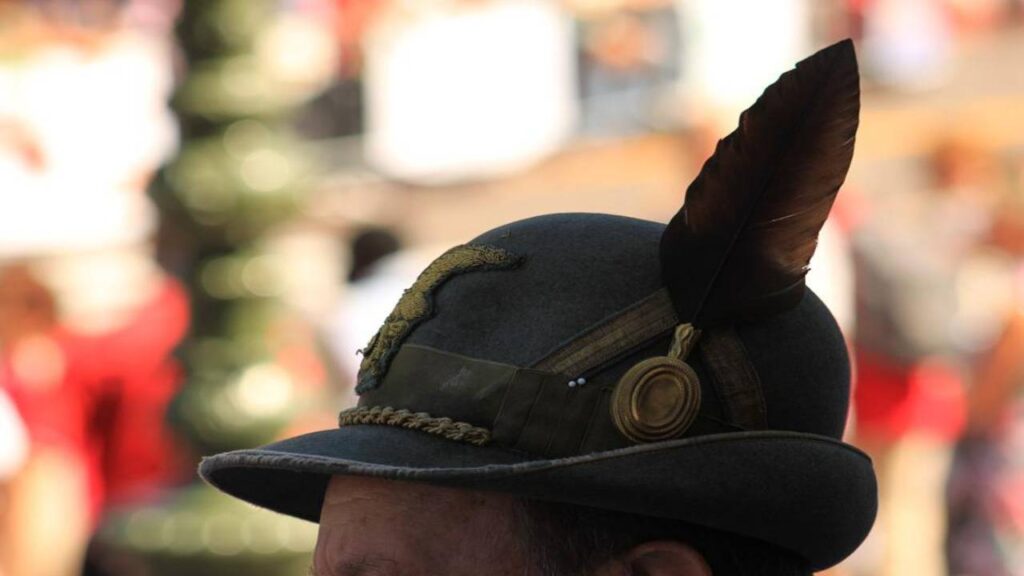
(807, 493)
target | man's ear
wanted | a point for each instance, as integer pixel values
(658, 558)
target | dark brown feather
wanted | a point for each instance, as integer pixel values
(740, 246)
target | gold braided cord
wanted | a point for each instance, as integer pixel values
(388, 416)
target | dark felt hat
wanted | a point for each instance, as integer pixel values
(679, 371)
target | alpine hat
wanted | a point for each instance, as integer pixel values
(680, 371)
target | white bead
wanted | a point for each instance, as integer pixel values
(581, 381)
(572, 383)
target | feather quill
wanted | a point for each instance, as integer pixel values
(740, 246)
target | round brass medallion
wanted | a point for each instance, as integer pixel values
(657, 399)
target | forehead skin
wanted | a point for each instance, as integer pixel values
(376, 527)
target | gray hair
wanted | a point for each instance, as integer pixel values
(568, 540)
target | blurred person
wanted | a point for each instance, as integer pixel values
(93, 406)
(46, 525)
(629, 59)
(340, 110)
(87, 321)
(594, 394)
(986, 509)
(369, 246)
(916, 332)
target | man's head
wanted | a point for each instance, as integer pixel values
(377, 527)
(680, 378)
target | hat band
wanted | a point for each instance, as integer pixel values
(478, 401)
(517, 407)
(532, 409)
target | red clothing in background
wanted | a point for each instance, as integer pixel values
(102, 398)
(895, 399)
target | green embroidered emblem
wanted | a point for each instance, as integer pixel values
(417, 304)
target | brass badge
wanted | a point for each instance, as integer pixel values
(657, 399)
(417, 304)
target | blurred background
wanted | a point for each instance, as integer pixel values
(207, 208)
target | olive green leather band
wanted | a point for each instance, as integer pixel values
(524, 409)
(533, 409)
